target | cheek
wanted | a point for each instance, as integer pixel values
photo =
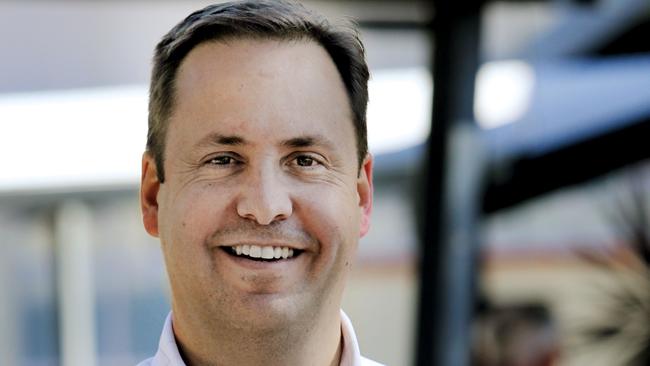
(334, 221)
(191, 216)
(333, 217)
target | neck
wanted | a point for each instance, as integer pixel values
(312, 342)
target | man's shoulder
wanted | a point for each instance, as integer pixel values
(368, 362)
(147, 362)
(364, 362)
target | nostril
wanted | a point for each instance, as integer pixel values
(264, 197)
(264, 213)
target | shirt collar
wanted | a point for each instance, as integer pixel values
(168, 354)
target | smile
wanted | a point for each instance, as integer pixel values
(262, 253)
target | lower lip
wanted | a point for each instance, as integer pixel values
(259, 265)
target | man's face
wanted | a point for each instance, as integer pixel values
(260, 159)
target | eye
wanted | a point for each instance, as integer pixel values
(305, 161)
(222, 160)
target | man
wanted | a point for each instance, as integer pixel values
(258, 182)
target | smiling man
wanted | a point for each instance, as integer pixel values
(258, 182)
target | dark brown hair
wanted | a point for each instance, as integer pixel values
(261, 19)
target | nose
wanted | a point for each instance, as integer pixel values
(264, 197)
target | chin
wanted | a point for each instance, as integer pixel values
(268, 312)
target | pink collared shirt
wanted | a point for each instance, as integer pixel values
(168, 354)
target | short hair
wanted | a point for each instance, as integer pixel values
(255, 19)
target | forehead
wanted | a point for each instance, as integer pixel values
(261, 84)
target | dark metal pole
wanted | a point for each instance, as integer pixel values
(451, 184)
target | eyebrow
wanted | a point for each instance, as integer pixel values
(217, 138)
(220, 139)
(307, 141)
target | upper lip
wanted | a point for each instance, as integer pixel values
(263, 244)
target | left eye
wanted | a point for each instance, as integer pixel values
(305, 161)
(222, 160)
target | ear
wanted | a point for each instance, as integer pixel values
(149, 187)
(364, 190)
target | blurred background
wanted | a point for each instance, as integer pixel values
(511, 223)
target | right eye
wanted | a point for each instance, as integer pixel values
(222, 160)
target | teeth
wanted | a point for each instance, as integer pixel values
(265, 252)
(256, 252)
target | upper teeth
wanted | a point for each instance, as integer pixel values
(266, 252)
